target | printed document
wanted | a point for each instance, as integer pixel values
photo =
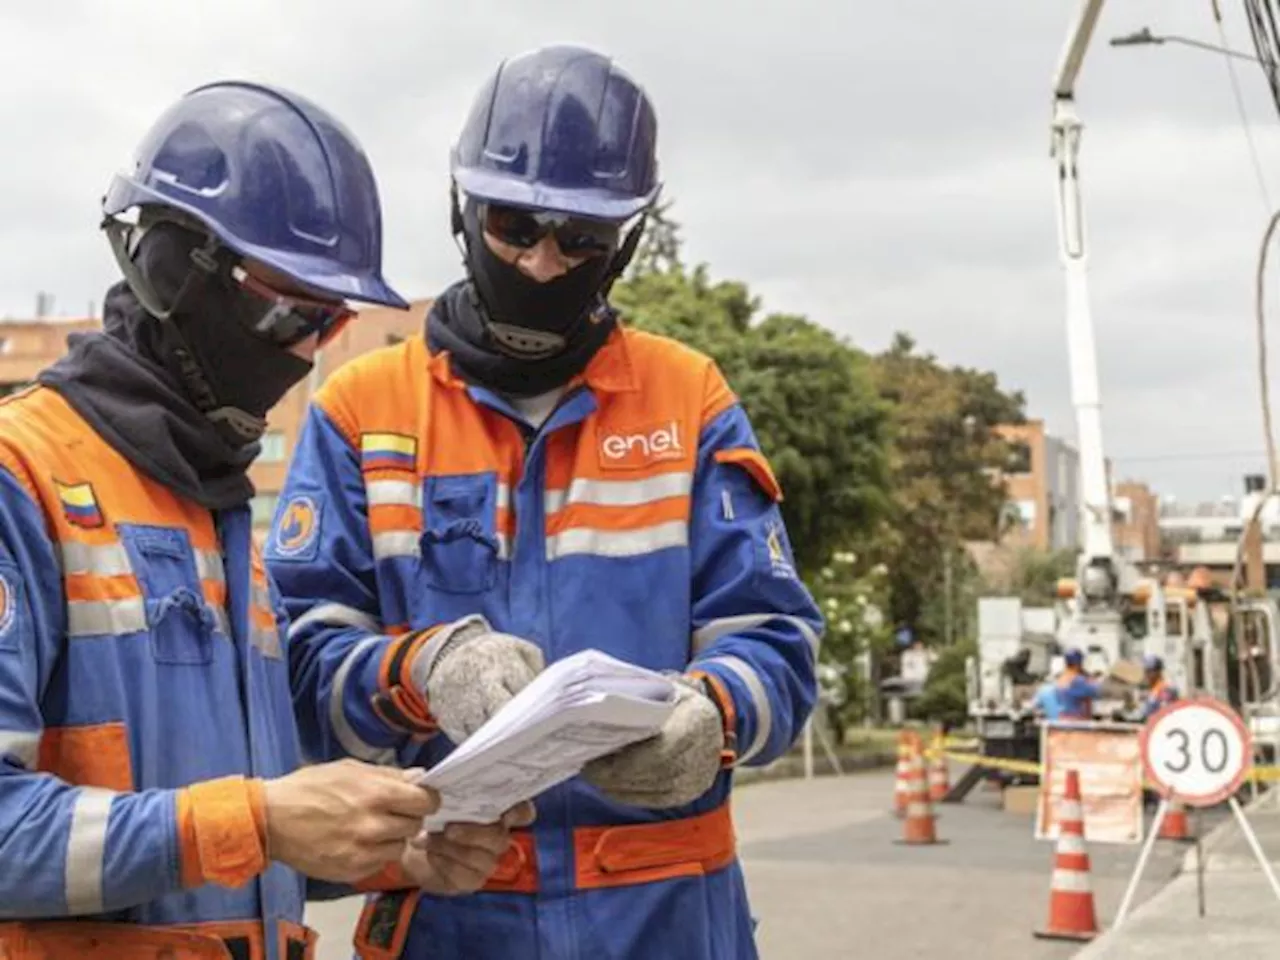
(582, 707)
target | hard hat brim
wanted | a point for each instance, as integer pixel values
(597, 204)
(311, 271)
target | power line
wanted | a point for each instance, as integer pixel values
(1240, 109)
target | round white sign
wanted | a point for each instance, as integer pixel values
(1196, 751)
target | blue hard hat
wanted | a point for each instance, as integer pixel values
(1151, 662)
(564, 129)
(277, 180)
(1073, 657)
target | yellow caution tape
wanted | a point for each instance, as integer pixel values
(996, 763)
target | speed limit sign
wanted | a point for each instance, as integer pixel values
(1197, 751)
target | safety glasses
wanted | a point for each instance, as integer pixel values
(576, 236)
(289, 318)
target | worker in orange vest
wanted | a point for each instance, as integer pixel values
(153, 797)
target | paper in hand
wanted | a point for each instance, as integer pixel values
(579, 708)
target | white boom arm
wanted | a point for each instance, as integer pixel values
(1082, 353)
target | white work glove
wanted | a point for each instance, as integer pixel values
(467, 672)
(672, 768)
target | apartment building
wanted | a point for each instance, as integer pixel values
(1045, 502)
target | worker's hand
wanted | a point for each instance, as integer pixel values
(467, 672)
(673, 768)
(462, 857)
(345, 820)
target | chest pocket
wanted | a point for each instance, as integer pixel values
(459, 545)
(184, 593)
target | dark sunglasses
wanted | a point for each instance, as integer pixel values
(288, 318)
(576, 236)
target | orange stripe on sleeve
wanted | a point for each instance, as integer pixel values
(398, 702)
(724, 700)
(222, 832)
(188, 846)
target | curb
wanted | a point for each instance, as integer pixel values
(1108, 935)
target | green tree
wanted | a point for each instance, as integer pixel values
(810, 396)
(943, 448)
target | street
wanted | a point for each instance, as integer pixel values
(828, 883)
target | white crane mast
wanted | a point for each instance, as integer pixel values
(1082, 351)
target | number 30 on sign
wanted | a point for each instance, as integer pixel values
(1196, 751)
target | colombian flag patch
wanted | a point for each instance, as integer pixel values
(388, 451)
(80, 505)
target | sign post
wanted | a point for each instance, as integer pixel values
(1199, 752)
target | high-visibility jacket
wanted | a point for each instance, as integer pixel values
(143, 692)
(641, 520)
(1076, 694)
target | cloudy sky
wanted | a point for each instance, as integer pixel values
(878, 166)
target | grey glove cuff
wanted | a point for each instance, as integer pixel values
(446, 640)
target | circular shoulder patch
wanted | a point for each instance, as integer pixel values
(299, 527)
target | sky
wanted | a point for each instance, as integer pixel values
(880, 167)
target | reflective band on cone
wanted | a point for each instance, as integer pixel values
(918, 826)
(900, 788)
(939, 778)
(1071, 910)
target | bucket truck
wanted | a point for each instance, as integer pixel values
(1109, 610)
(1018, 646)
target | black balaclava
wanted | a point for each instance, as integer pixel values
(531, 320)
(232, 375)
(506, 331)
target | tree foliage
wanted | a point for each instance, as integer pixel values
(1034, 574)
(945, 698)
(942, 454)
(810, 396)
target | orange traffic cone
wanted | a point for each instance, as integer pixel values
(1175, 825)
(905, 739)
(918, 826)
(939, 777)
(1071, 911)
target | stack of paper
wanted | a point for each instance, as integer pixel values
(579, 708)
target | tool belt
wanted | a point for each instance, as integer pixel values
(603, 856)
(77, 940)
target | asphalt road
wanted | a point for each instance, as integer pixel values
(827, 880)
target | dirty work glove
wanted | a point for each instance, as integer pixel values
(467, 671)
(673, 768)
